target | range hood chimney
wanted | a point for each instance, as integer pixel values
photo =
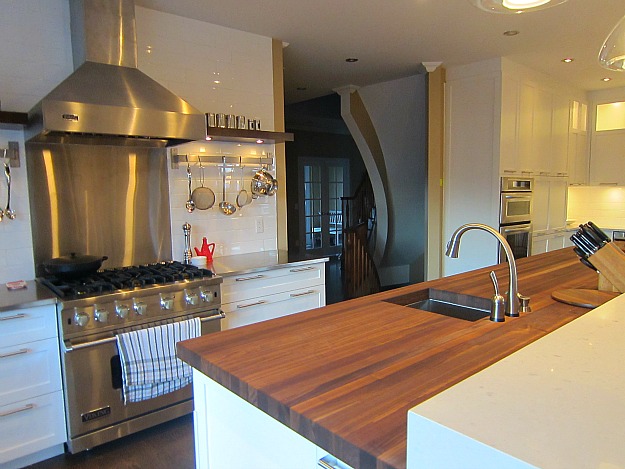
(107, 99)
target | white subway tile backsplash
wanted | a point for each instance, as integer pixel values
(603, 205)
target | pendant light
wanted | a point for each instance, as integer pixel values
(612, 53)
(514, 6)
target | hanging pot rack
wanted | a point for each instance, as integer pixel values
(221, 160)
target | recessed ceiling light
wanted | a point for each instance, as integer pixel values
(260, 141)
(216, 82)
(512, 32)
(568, 60)
(209, 138)
(606, 79)
(351, 60)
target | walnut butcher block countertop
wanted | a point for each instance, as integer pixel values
(344, 376)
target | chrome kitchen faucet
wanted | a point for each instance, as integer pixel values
(515, 302)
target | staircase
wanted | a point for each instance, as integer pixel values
(360, 276)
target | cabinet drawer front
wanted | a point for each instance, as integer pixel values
(264, 308)
(25, 325)
(270, 282)
(31, 425)
(29, 370)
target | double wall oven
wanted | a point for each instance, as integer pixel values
(515, 215)
(92, 310)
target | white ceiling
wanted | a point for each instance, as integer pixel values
(391, 38)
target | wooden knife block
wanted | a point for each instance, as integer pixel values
(610, 262)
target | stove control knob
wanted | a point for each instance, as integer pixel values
(191, 299)
(206, 294)
(80, 319)
(121, 310)
(100, 315)
(167, 302)
(139, 306)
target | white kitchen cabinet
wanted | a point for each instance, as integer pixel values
(607, 165)
(578, 158)
(508, 146)
(549, 204)
(540, 204)
(32, 415)
(560, 129)
(262, 308)
(237, 435)
(267, 294)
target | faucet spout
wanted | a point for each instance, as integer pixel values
(453, 248)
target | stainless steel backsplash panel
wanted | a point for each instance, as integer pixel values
(99, 200)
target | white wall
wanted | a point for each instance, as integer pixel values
(35, 52)
(187, 56)
(397, 110)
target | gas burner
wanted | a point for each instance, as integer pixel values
(124, 278)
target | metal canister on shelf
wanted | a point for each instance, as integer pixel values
(231, 121)
(221, 120)
(241, 123)
(211, 119)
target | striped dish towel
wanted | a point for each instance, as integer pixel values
(150, 367)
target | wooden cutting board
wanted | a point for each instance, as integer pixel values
(583, 297)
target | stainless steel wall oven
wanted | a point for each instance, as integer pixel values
(515, 215)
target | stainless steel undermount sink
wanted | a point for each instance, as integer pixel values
(454, 305)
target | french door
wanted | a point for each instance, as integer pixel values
(322, 183)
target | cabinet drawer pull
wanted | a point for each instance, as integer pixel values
(15, 411)
(304, 293)
(249, 305)
(244, 279)
(17, 352)
(15, 316)
(302, 269)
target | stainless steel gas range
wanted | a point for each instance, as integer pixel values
(92, 311)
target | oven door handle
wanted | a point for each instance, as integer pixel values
(68, 347)
(516, 229)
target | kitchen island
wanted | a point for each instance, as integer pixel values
(345, 376)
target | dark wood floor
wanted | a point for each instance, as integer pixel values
(166, 446)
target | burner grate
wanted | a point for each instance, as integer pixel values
(123, 278)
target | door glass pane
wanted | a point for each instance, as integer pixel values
(312, 206)
(323, 185)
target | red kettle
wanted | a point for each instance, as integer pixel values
(207, 250)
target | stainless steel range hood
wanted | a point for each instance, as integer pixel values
(108, 100)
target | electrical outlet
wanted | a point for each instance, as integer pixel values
(260, 227)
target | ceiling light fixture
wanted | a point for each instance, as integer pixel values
(510, 33)
(514, 6)
(606, 79)
(568, 60)
(351, 60)
(612, 53)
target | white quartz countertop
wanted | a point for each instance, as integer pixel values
(557, 403)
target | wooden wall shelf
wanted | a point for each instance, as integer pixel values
(13, 120)
(248, 136)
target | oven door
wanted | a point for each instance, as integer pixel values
(519, 238)
(94, 403)
(516, 207)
